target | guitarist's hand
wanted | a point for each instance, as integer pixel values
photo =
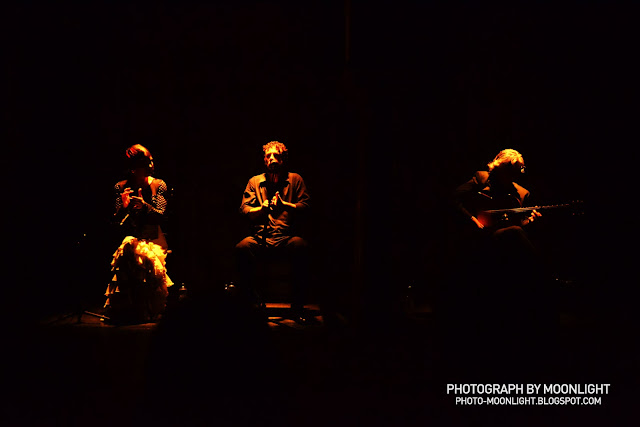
(477, 222)
(532, 217)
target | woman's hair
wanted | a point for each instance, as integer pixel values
(139, 156)
(282, 149)
(507, 156)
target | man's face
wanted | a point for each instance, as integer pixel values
(273, 159)
(516, 169)
(508, 172)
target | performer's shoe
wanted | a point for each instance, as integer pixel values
(303, 317)
(563, 282)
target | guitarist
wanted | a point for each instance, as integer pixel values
(498, 291)
(494, 189)
(495, 259)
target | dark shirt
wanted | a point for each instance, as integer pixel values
(479, 194)
(277, 225)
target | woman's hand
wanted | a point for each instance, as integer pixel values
(126, 199)
(137, 202)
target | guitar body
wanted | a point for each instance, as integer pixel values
(497, 207)
(494, 211)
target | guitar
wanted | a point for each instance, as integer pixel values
(498, 218)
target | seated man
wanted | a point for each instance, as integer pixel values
(497, 297)
(496, 189)
(273, 202)
(498, 262)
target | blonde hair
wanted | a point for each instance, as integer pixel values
(506, 156)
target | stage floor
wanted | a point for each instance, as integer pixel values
(209, 367)
(278, 315)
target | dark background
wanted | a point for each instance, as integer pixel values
(385, 109)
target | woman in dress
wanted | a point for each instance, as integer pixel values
(139, 287)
